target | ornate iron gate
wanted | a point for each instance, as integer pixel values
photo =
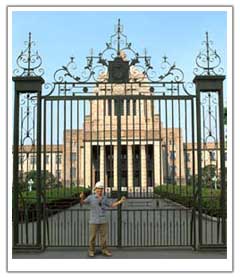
(143, 134)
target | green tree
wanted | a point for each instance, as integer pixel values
(208, 175)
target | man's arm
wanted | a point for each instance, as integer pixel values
(118, 202)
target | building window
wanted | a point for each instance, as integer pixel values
(109, 107)
(58, 158)
(47, 159)
(121, 107)
(33, 160)
(58, 174)
(172, 170)
(73, 156)
(123, 156)
(187, 157)
(145, 107)
(134, 107)
(212, 155)
(128, 106)
(172, 155)
(225, 156)
(21, 159)
(73, 172)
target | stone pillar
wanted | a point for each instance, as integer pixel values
(88, 162)
(130, 167)
(115, 169)
(157, 168)
(102, 167)
(143, 168)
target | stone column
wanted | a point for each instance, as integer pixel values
(157, 168)
(102, 168)
(88, 162)
(115, 169)
(143, 168)
(130, 167)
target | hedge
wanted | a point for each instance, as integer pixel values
(184, 195)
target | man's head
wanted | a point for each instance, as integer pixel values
(99, 187)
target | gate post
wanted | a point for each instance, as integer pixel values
(209, 81)
(31, 85)
(27, 81)
(211, 84)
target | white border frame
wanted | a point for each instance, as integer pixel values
(129, 264)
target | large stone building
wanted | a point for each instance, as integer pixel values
(151, 154)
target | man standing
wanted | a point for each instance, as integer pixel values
(98, 219)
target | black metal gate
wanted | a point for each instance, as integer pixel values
(144, 135)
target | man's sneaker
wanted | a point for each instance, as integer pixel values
(91, 253)
(106, 252)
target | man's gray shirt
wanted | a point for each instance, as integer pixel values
(98, 208)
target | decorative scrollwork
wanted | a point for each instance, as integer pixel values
(29, 62)
(97, 68)
(208, 60)
(209, 109)
(28, 104)
(175, 73)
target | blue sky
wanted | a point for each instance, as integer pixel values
(178, 35)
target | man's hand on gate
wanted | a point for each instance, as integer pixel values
(82, 195)
(123, 199)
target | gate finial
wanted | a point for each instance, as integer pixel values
(208, 60)
(29, 62)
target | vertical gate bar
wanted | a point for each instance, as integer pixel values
(111, 142)
(160, 140)
(153, 143)
(193, 175)
(141, 233)
(39, 187)
(187, 173)
(166, 143)
(204, 136)
(59, 177)
(15, 169)
(78, 164)
(174, 223)
(217, 146)
(78, 231)
(104, 140)
(146, 140)
(98, 152)
(71, 149)
(222, 161)
(44, 165)
(84, 143)
(51, 147)
(91, 147)
(167, 231)
(199, 155)
(126, 139)
(133, 142)
(180, 141)
(140, 142)
(119, 170)
(64, 128)
(173, 146)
